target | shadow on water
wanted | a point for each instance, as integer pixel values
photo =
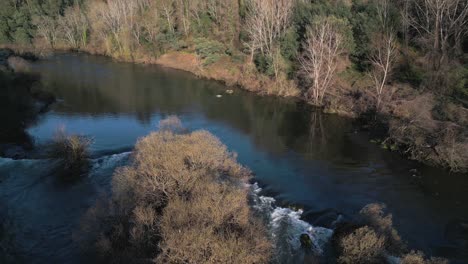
(301, 157)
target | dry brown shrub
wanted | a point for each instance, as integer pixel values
(18, 64)
(171, 123)
(182, 200)
(362, 246)
(71, 152)
(375, 217)
(283, 87)
(426, 139)
(418, 258)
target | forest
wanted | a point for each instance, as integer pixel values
(401, 65)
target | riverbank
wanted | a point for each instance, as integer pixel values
(417, 124)
(414, 123)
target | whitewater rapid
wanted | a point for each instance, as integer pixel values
(286, 227)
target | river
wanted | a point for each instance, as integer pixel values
(300, 157)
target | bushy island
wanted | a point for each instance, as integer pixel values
(183, 199)
(399, 65)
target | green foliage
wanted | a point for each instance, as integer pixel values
(307, 11)
(364, 23)
(20, 26)
(5, 16)
(4, 33)
(289, 46)
(209, 50)
(343, 27)
(16, 17)
(169, 41)
(203, 26)
(264, 64)
(409, 73)
(459, 77)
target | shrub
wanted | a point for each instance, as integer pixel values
(411, 73)
(171, 124)
(71, 152)
(169, 41)
(264, 64)
(180, 201)
(209, 50)
(428, 140)
(459, 77)
(374, 216)
(371, 238)
(418, 258)
(362, 246)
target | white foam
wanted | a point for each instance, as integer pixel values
(286, 226)
(295, 227)
(109, 162)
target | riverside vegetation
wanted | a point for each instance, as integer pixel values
(401, 64)
(184, 199)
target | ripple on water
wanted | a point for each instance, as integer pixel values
(45, 212)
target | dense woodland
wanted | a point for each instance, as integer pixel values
(402, 64)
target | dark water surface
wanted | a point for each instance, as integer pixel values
(299, 156)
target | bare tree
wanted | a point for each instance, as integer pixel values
(266, 21)
(383, 55)
(383, 58)
(439, 22)
(119, 19)
(225, 15)
(322, 50)
(150, 22)
(74, 26)
(47, 28)
(183, 15)
(168, 11)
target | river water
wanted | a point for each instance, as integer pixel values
(301, 158)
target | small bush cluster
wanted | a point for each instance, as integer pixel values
(374, 216)
(71, 152)
(362, 246)
(182, 200)
(371, 239)
(418, 258)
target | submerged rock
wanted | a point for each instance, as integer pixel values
(13, 151)
(4, 55)
(306, 242)
(18, 64)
